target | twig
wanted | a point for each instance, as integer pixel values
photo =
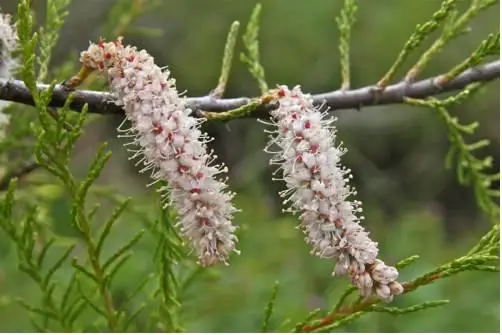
(364, 304)
(32, 165)
(345, 21)
(17, 173)
(228, 55)
(455, 27)
(104, 103)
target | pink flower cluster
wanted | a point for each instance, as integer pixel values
(171, 145)
(317, 189)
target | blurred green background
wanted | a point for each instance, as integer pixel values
(412, 204)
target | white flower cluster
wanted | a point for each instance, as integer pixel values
(317, 188)
(171, 145)
(8, 64)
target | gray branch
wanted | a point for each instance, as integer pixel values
(102, 102)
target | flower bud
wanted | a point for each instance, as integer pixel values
(384, 274)
(384, 293)
(396, 288)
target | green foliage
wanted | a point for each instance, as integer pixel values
(49, 33)
(228, 55)
(454, 26)
(418, 36)
(252, 59)
(124, 13)
(32, 260)
(470, 169)
(169, 253)
(270, 308)
(489, 47)
(79, 278)
(345, 21)
(28, 41)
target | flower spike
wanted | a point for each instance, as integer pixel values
(318, 190)
(171, 146)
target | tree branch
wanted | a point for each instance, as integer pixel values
(17, 173)
(103, 102)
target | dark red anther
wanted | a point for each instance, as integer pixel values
(199, 175)
(307, 124)
(108, 55)
(157, 129)
(130, 58)
(101, 65)
(170, 137)
(294, 116)
(195, 190)
(314, 148)
(323, 217)
(163, 85)
(203, 222)
(183, 168)
(101, 43)
(281, 93)
(299, 158)
(314, 169)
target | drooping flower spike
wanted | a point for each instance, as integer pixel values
(171, 146)
(318, 190)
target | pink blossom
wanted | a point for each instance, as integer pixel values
(318, 190)
(171, 146)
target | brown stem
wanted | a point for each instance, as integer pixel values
(361, 306)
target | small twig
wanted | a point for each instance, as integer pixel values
(421, 32)
(17, 173)
(33, 165)
(54, 114)
(452, 29)
(228, 55)
(252, 46)
(489, 47)
(345, 21)
(365, 304)
(126, 20)
(270, 307)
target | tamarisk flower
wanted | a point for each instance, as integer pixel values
(171, 144)
(8, 64)
(317, 189)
